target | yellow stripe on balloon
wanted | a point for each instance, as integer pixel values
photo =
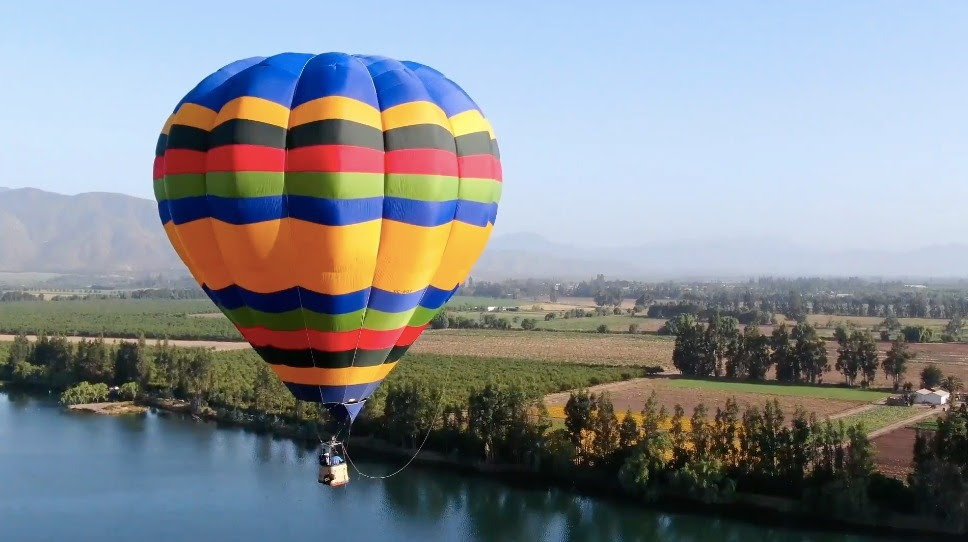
(409, 255)
(252, 108)
(278, 254)
(470, 122)
(346, 376)
(196, 116)
(464, 247)
(167, 127)
(336, 107)
(412, 113)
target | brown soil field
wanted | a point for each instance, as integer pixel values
(555, 346)
(895, 451)
(632, 394)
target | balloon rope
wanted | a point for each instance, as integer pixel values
(440, 401)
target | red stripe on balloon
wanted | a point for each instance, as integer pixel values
(410, 334)
(180, 161)
(422, 162)
(246, 158)
(335, 158)
(158, 169)
(324, 341)
(480, 166)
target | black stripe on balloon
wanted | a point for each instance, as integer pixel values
(187, 138)
(396, 353)
(420, 136)
(334, 132)
(308, 358)
(476, 143)
(248, 132)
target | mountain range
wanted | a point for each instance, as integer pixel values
(110, 233)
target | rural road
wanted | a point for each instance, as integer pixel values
(217, 345)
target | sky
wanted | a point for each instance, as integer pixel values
(620, 123)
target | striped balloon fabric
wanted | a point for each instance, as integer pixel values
(329, 205)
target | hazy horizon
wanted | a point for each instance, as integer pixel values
(621, 125)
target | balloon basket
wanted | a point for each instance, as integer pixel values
(334, 475)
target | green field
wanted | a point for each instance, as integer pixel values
(117, 318)
(456, 376)
(466, 301)
(881, 416)
(822, 392)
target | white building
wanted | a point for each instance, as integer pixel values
(931, 397)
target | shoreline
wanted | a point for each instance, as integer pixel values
(110, 408)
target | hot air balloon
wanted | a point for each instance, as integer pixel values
(329, 205)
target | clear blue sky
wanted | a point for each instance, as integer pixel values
(619, 122)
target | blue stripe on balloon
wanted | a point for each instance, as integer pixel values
(324, 211)
(233, 297)
(331, 394)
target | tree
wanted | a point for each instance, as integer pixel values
(129, 361)
(628, 431)
(753, 358)
(690, 351)
(896, 362)
(952, 384)
(721, 342)
(955, 328)
(440, 321)
(931, 376)
(787, 364)
(578, 417)
(528, 324)
(94, 364)
(810, 351)
(891, 323)
(917, 334)
(605, 430)
(865, 355)
(129, 391)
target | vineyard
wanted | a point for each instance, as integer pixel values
(117, 318)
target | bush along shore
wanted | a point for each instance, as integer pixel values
(731, 461)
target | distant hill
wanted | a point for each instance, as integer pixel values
(88, 233)
(112, 233)
(529, 255)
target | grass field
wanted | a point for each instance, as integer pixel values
(632, 395)
(819, 392)
(881, 416)
(553, 346)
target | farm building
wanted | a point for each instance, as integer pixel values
(931, 397)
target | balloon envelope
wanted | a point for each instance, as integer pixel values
(329, 205)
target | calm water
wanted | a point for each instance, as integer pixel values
(79, 477)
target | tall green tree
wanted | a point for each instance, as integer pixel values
(810, 351)
(787, 364)
(895, 364)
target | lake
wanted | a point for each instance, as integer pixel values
(162, 477)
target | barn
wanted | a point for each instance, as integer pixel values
(931, 397)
